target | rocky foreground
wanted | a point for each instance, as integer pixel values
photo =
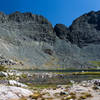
(12, 89)
(86, 90)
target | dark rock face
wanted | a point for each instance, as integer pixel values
(85, 33)
(32, 37)
(84, 30)
(61, 31)
(29, 26)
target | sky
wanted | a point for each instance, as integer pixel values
(56, 11)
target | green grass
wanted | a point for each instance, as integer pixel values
(45, 86)
(95, 63)
(85, 96)
(32, 86)
(59, 70)
(86, 73)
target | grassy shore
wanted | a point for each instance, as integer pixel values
(86, 73)
(61, 70)
(66, 71)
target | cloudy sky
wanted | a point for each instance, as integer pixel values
(56, 11)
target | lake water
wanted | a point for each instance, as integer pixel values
(41, 77)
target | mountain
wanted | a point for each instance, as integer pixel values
(32, 40)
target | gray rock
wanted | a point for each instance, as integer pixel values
(33, 40)
(12, 92)
(6, 61)
(83, 31)
(15, 83)
(62, 31)
(3, 74)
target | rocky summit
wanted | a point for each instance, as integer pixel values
(33, 40)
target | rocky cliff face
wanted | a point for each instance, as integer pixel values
(32, 39)
(84, 30)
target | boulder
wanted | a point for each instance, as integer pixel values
(15, 83)
(13, 93)
(3, 74)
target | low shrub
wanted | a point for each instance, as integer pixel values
(35, 95)
(3, 68)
